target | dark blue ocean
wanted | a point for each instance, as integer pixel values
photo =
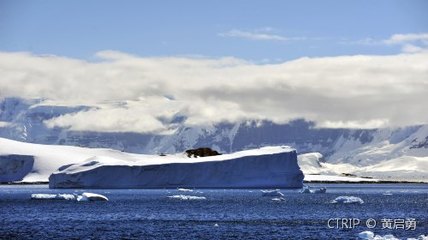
(225, 214)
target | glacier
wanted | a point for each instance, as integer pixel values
(267, 167)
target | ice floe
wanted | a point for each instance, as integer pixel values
(347, 200)
(184, 190)
(272, 193)
(46, 196)
(187, 197)
(369, 235)
(278, 199)
(70, 197)
(91, 197)
(307, 189)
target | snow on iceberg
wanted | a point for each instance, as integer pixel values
(187, 197)
(267, 167)
(348, 199)
(272, 193)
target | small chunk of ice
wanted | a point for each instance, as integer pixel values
(47, 196)
(184, 190)
(86, 196)
(272, 193)
(278, 199)
(369, 235)
(348, 199)
(307, 189)
(366, 235)
(187, 197)
(71, 197)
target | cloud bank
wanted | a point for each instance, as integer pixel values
(131, 93)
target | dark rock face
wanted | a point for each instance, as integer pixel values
(421, 144)
(201, 152)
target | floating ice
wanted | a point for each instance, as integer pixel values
(272, 193)
(366, 235)
(421, 237)
(71, 197)
(187, 197)
(91, 197)
(369, 235)
(43, 196)
(278, 199)
(184, 190)
(321, 190)
(307, 189)
(348, 199)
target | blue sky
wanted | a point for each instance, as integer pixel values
(285, 29)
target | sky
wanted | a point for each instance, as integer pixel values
(359, 64)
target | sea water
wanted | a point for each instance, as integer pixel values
(224, 213)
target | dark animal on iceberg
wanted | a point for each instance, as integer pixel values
(201, 152)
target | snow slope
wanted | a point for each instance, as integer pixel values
(404, 168)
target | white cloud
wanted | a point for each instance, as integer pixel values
(405, 38)
(131, 93)
(375, 123)
(263, 34)
(409, 43)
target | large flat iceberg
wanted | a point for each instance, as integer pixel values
(268, 167)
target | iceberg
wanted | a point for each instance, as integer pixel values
(267, 167)
(348, 199)
(187, 197)
(14, 167)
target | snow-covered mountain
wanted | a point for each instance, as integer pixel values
(23, 120)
